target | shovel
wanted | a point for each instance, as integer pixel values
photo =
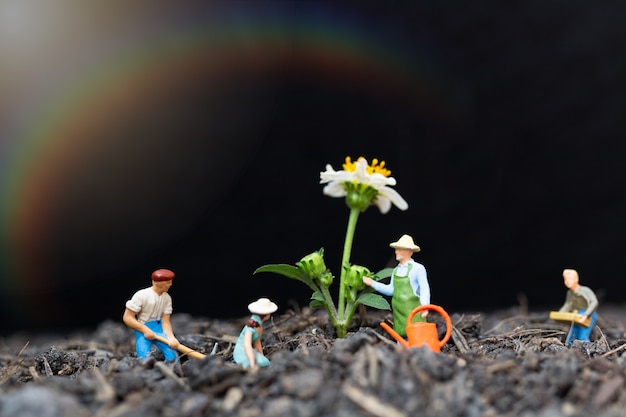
(183, 349)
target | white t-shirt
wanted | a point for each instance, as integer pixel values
(149, 306)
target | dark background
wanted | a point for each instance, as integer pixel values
(511, 161)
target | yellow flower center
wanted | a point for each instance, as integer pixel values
(375, 167)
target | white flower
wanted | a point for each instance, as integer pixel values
(376, 176)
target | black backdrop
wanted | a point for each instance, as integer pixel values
(513, 171)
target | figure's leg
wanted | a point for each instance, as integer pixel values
(261, 360)
(585, 332)
(168, 352)
(142, 345)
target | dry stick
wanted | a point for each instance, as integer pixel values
(617, 349)
(105, 391)
(169, 373)
(493, 329)
(369, 403)
(603, 337)
(12, 370)
(183, 349)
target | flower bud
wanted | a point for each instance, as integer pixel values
(326, 279)
(355, 274)
(313, 264)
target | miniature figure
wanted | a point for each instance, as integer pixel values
(408, 286)
(580, 300)
(248, 350)
(148, 313)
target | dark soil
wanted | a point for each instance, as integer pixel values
(509, 363)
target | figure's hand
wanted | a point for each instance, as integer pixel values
(174, 343)
(424, 313)
(149, 335)
(368, 281)
(253, 368)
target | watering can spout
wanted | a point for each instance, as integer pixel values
(395, 335)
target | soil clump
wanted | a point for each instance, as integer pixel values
(506, 363)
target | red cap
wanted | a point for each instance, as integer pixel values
(163, 275)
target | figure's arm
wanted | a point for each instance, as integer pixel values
(567, 306)
(258, 346)
(130, 320)
(167, 329)
(592, 302)
(385, 289)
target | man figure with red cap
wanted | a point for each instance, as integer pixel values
(148, 313)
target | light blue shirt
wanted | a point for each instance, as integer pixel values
(417, 279)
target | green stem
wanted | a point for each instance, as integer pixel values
(347, 248)
(330, 305)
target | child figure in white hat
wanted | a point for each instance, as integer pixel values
(248, 350)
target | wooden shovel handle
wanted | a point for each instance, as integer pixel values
(183, 349)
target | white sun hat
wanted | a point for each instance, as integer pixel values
(405, 242)
(262, 306)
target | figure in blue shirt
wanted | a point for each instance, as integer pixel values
(408, 286)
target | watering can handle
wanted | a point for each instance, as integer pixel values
(442, 313)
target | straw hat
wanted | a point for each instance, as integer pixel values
(262, 306)
(405, 242)
(163, 275)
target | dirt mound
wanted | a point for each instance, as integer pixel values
(498, 364)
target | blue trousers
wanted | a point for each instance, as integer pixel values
(144, 345)
(581, 332)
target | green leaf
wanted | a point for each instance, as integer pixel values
(316, 304)
(318, 296)
(374, 300)
(288, 271)
(383, 273)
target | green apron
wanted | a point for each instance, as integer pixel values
(403, 302)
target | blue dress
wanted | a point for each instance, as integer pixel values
(239, 354)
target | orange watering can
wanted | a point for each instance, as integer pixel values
(423, 333)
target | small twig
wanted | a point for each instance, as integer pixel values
(369, 403)
(373, 365)
(523, 332)
(105, 390)
(384, 339)
(459, 340)
(13, 369)
(23, 349)
(170, 374)
(603, 337)
(617, 349)
(33, 372)
(493, 329)
(46, 366)
(523, 304)
(501, 366)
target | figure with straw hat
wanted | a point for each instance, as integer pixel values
(408, 286)
(248, 350)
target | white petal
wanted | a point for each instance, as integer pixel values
(383, 203)
(331, 175)
(377, 180)
(335, 189)
(395, 198)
